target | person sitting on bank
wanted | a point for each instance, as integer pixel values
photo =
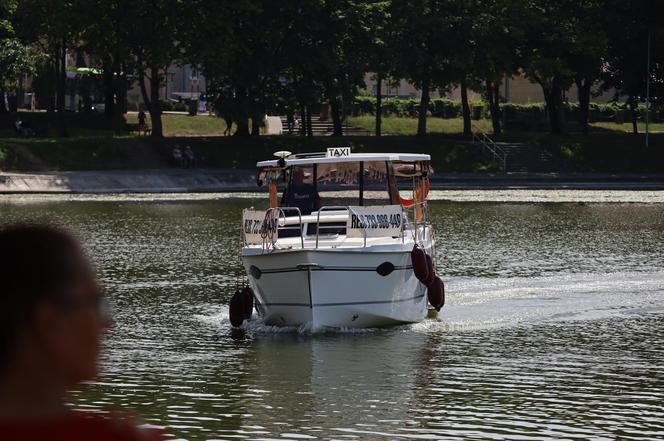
(52, 318)
(23, 128)
(178, 159)
(301, 194)
(189, 157)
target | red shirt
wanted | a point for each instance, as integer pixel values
(79, 426)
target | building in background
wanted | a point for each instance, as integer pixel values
(515, 89)
(181, 83)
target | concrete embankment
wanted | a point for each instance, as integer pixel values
(129, 181)
(544, 181)
(230, 180)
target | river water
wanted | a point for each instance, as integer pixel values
(553, 328)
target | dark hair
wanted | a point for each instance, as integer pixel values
(37, 263)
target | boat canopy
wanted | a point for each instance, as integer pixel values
(320, 158)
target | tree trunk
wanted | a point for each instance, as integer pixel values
(151, 100)
(290, 119)
(20, 93)
(424, 107)
(560, 105)
(109, 89)
(633, 106)
(337, 128)
(242, 127)
(493, 95)
(255, 126)
(303, 119)
(310, 130)
(554, 101)
(62, 77)
(56, 79)
(379, 102)
(257, 117)
(465, 109)
(256, 120)
(123, 89)
(257, 114)
(241, 118)
(3, 107)
(583, 87)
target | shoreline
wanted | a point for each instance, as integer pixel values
(238, 180)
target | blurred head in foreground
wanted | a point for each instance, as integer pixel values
(51, 315)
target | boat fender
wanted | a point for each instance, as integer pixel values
(420, 267)
(430, 270)
(255, 272)
(436, 293)
(236, 309)
(247, 302)
(385, 268)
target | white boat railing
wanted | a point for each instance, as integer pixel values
(332, 208)
(281, 212)
(419, 227)
(277, 218)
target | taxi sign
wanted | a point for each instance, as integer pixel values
(338, 152)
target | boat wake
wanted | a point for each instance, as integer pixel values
(484, 303)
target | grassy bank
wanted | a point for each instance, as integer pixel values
(408, 126)
(185, 125)
(393, 125)
(99, 143)
(448, 153)
(606, 152)
(97, 125)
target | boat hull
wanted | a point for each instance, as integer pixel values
(336, 288)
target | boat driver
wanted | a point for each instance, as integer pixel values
(301, 194)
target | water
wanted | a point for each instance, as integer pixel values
(554, 326)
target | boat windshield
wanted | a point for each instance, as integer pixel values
(345, 183)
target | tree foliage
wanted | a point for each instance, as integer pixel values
(298, 57)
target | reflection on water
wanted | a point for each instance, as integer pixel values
(554, 327)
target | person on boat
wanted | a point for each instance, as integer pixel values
(301, 194)
(52, 317)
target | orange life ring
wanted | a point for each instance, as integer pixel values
(421, 193)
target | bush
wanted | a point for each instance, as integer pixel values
(180, 106)
(445, 108)
(167, 106)
(364, 105)
(531, 115)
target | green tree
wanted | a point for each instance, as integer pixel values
(498, 31)
(588, 51)
(628, 28)
(421, 42)
(240, 53)
(153, 43)
(380, 54)
(105, 38)
(16, 59)
(53, 26)
(327, 42)
(564, 44)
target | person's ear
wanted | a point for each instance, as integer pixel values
(46, 325)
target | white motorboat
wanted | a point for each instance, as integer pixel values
(342, 247)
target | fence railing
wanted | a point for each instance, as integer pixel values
(499, 155)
